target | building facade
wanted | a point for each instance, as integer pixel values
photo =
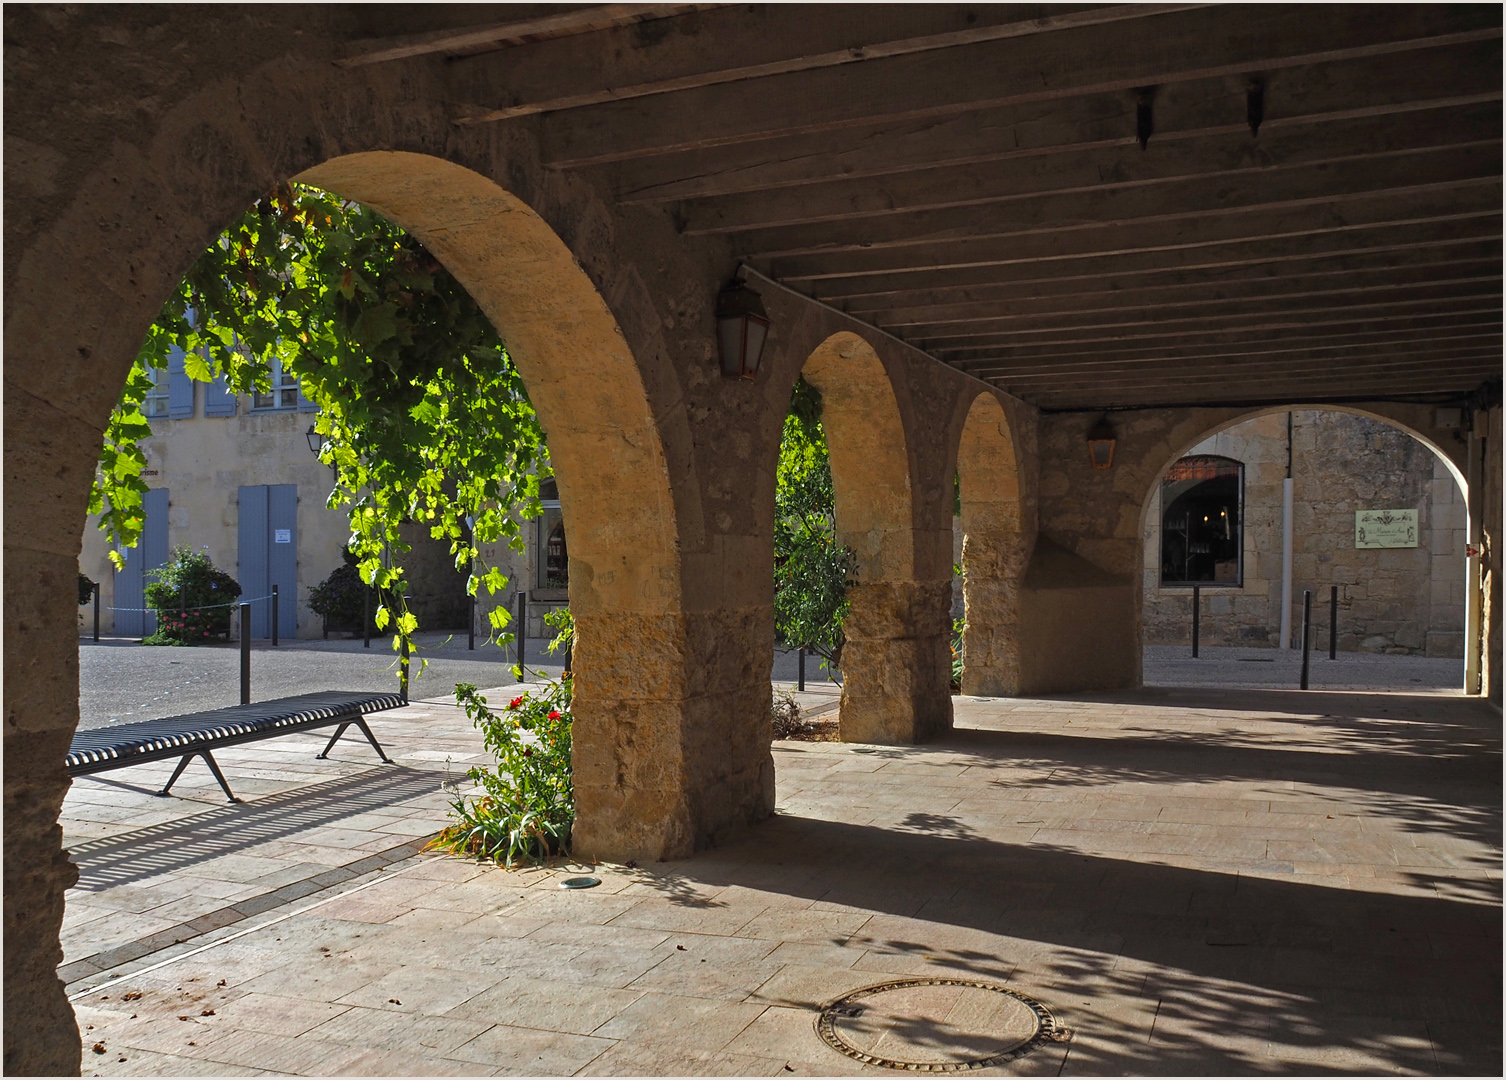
(1216, 520)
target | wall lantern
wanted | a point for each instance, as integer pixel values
(1101, 440)
(742, 325)
(316, 441)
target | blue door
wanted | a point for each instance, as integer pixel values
(268, 543)
(149, 553)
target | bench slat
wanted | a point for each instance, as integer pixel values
(99, 749)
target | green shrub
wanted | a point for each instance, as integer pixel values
(527, 804)
(340, 598)
(958, 625)
(85, 590)
(192, 600)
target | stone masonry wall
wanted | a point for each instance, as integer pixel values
(1398, 600)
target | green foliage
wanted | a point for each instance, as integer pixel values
(811, 569)
(564, 625)
(958, 626)
(341, 598)
(527, 805)
(192, 600)
(85, 590)
(423, 414)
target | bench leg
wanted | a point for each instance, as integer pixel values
(332, 740)
(213, 767)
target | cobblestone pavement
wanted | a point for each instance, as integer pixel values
(124, 682)
(1206, 881)
(1173, 665)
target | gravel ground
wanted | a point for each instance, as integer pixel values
(121, 681)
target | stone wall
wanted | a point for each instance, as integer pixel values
(1400, 600)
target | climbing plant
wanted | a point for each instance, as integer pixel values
(423, 414)
(811, 569)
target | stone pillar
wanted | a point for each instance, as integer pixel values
(993, 561)
(896, 665)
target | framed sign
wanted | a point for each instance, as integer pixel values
(1385, 528)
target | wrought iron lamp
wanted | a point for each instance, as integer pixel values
(1101, 440)
(742, 326)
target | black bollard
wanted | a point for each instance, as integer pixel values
(471, 642)
(366, 615)
(522, 633)
(1307, 641)
(1197, 608)
(274, 616)
(245, 654)
(404, 669)
(96, 611)
(1333, 622)
(802, 669)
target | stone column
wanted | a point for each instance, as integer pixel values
(896, 665)
(993, 561)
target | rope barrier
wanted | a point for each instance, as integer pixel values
(201, 607)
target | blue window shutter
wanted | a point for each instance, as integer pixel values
(251, 569)
(179, 387)
(282, 555)
(218, 399)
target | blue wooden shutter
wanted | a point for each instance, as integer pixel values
(149, 553)
(218, 400)
(251, 569)
(282, 555)
(179, 387)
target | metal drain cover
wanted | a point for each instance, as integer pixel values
(936, 1025)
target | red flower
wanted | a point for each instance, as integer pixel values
(515, 703)
(555, 715)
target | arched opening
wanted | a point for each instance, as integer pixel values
(895, 664)
(994, 550)
(1278, 502)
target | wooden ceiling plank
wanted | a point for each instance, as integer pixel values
(1191, 45)
(1024, 328)
(1310, 396)
(578, 20)
(740, 42)
(1295, 98)
(895, 239)
(1227, 157)
(1318, 266)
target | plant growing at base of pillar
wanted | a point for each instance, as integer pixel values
(526, 807)
(811, 569)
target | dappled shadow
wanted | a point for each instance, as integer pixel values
(1220, 964)
(179, 844)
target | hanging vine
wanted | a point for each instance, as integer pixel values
(423, 414)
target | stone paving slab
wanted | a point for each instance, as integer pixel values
(1194, 881)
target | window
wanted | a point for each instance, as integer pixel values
(284, 392)
(156, 404)
(1202, 503)
(553, 554)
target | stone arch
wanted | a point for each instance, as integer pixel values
(994, 549)
(1405, 421)
(895, 663)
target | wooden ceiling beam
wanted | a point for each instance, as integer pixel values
(1080, 297)
(1199, 245)
(1298, 395)
(1435, 174)
(1466, 369)
(1295, 98)
(1276, 158)
(1180, 47)
(1121, 326)
(734, 43)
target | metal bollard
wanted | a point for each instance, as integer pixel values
(1333, 622)
(1197, 608)
(1307, 641)
(274, 616)
(96, 611)
(471, 643)
(404, 669)
(245, 654)
(366, 615)
(522, 633)
(802, 669)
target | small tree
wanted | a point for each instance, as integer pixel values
(192, 600)
(811, 569)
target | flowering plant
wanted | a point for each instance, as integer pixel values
(192, 600)
(527, 804)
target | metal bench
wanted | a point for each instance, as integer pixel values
(196, 734)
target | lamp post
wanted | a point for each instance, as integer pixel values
(742, 326)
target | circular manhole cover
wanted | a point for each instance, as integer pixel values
(936, 1025)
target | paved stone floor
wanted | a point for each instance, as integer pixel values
(1193, 881)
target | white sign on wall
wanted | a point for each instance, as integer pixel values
(285, 536)
(1385, 528)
